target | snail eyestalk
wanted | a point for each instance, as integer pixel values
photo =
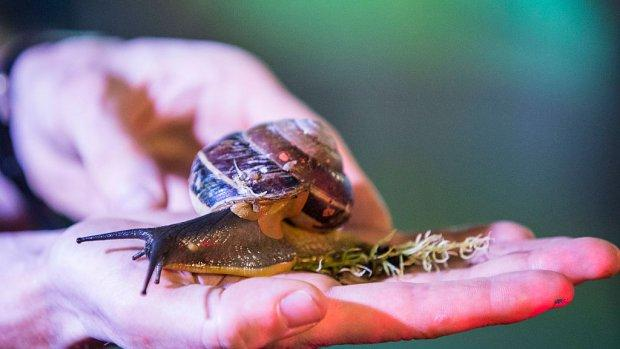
(429, 251)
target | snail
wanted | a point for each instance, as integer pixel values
(267, 198)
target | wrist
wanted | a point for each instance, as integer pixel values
(32, 313)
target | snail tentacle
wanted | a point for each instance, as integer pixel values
(138, 254)
(141, 233)
(149, 273)
(158, 269)
(156, 261)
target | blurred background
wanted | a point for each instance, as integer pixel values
(459, 112)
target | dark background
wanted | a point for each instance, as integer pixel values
(459, 111)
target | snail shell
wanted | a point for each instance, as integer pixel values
(291, 167)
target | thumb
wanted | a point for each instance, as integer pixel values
(258, 311)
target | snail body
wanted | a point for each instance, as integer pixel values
(265, 196)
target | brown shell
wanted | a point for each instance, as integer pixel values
(274, 161)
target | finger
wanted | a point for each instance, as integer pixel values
(379, 312)
(504, 248)
(153, 217)
(177, 198)
(498, 231)
(253, 95)
(369, 210)
(55, 175)
(64, 113)
(240, 313)
(501, 231)
(126, 175)
(253, 312)
(579, 260)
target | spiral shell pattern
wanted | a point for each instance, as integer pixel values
(275, 161)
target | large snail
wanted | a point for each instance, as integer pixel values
(268, 198)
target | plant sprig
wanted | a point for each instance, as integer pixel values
(428, 250)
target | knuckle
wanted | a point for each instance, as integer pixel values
(230, 338)
(219, 331)
(231, 335)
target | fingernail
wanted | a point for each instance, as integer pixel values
(300, 308)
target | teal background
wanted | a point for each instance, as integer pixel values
(460, 111)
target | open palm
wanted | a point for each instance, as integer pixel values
(520, 277)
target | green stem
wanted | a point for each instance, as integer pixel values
(429, 251)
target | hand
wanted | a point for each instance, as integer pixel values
(103, 125)
(519, 278)
(98, 287)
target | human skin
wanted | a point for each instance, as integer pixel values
(105, 127)
(62, 293)
(145, 108)
(12, 207)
